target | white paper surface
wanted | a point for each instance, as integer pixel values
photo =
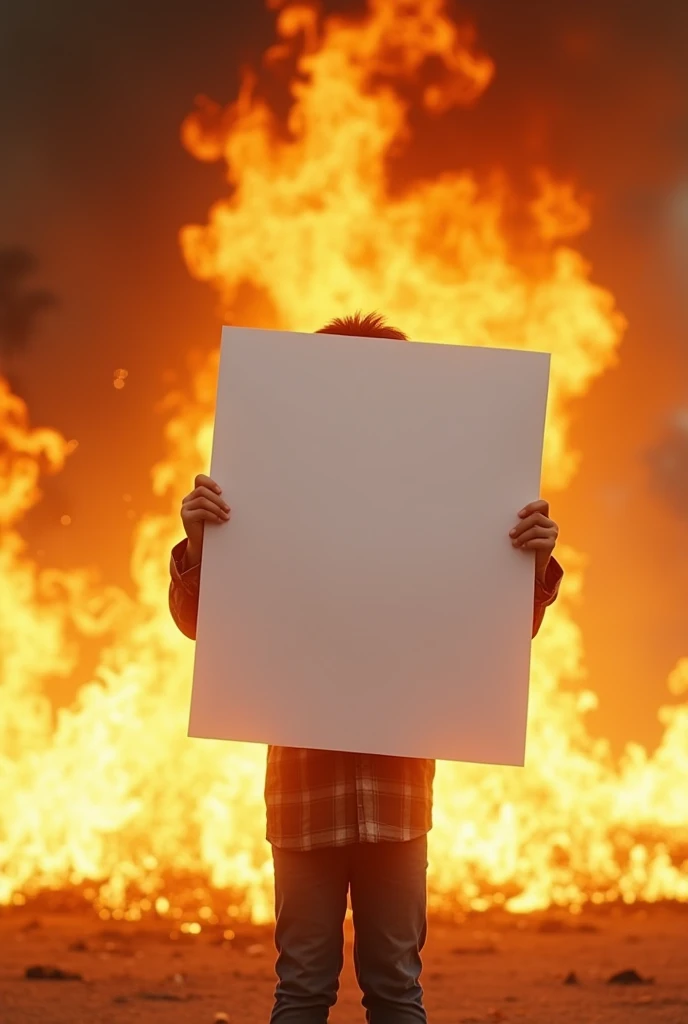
(365, 595)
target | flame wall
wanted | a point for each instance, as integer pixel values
(108, 792)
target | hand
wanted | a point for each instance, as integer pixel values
(536, 532)
(204, 505)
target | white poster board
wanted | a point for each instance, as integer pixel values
(365, 595)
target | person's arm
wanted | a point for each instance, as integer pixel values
(546, 591)
(535, 531)
(184, 590)
(204, 505)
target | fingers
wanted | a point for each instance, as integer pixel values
(535, 531)
(539, 544)
(200, 503)
(204, 505)
(209, 495)
(540, 506)
(537, 537)
(205, 481)
(204, 515)
(534, 519)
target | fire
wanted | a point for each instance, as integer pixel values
(322, 217)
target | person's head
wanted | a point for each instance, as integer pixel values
(373, 325)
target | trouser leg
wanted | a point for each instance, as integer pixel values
(389, 901)
(310, 903)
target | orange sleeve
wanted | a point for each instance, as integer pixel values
(184, 590)
(546, 594)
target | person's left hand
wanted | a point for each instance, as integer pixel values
(536, 532)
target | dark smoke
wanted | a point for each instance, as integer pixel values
(20, 304)
(668, 462)
(21, 307)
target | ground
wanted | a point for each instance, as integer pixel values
(483, 969)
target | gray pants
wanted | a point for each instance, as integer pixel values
(388, 898)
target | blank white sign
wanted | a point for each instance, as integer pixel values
(365, 595)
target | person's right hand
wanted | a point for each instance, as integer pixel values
(204, 504)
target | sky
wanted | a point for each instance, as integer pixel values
(94, 180)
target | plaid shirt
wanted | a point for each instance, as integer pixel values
(319, 798)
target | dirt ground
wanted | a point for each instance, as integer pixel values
(486, 969)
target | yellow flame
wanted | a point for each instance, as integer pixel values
(108, 792)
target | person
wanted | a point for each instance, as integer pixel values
(342, 823)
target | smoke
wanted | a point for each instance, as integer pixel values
(21, 309)
(668, 459)
(21, 306)
(677, 235)
(668, 462)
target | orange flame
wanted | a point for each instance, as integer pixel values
(109, 793)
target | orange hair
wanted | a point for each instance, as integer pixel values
(373, 325)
